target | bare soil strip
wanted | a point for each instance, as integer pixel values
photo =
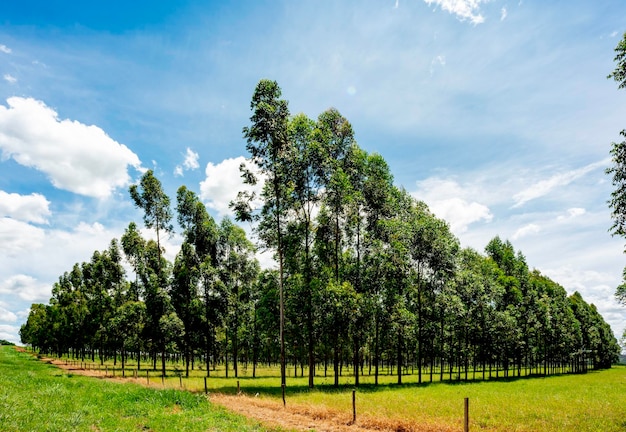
(272, 413)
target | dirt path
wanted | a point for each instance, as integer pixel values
(272, 413)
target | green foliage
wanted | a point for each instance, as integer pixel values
(619, 74)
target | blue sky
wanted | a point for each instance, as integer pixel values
(496, 113)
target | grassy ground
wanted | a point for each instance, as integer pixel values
(594, 401)
(35, 396)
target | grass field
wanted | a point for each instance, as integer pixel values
(595, 401)
(35, 396)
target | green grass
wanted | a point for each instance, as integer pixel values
(594, 401)
(35, 396)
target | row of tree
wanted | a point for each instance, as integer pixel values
(366, 275)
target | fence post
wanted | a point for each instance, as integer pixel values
(353, 406)
(466, 416)
(205, 386)
(283, 387)
(180, 379)
(147, 377)
(238, 388)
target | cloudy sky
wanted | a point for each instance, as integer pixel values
(496, 113)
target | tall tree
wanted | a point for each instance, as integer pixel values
(269, 147)
(618, 169)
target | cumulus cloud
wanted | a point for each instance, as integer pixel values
(17, 236)
(223, 182)
(26, 288)
(10, 78)
(190, 163)
(449, 201)
(76, 157)
(26, 208)
(463, 9)
(544, 187)
(526, 230)
(503, 14)
(5, 49)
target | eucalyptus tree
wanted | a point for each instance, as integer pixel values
(150, 197)
(238, 269)
(127, 324)
(105, 288)
(153, 276)
(305, 173)
(38, 329)
(617, 203)
(338, 305)
(194, 272)
(269, 147)
(184, 294)
(69, 312)
(335, 139)
(599, 343)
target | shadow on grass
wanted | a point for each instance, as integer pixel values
(249, 387)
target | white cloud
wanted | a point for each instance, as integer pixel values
(10, 78)
(26, 288)
(448, 200)
(5, 49)
(463, 9)
(10, 333)
(190, 163)
(17, 236)
(191, 160)
(78, 158)
(572, 213)
(26, 208)
(526, 230)
(440, 60)
(503, 14)
(544, 187)
(223, 182)
(7, 315)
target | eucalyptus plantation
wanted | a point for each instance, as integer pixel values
(368, 281)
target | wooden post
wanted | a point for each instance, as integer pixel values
(147, 377)
(163, 379)
(206, 390)
(283, 387)
(180, 379)
(466, 416)
(353, 406)
(106, 371)
(238, 388)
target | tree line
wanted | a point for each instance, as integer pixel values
(367, 277)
